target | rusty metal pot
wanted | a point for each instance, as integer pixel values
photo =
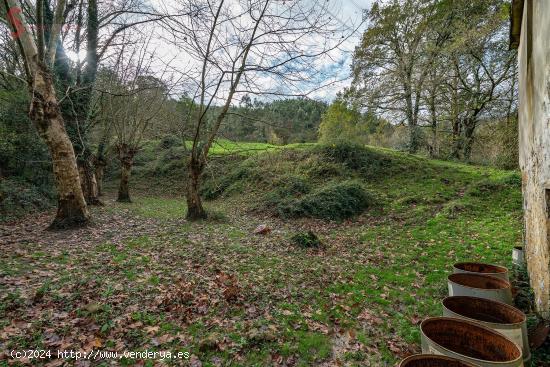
(481, 269)
(432, 360)
(470, 342)
(498, 316)
(518, 256)
(482, 286)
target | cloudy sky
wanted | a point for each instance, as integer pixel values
(347, 15)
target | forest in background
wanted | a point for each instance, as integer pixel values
(428, 77)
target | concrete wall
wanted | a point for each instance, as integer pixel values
(534, 135)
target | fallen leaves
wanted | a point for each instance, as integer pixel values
(367, 316)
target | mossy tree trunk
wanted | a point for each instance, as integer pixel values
(126, 155)
(99, 174)
(469, 129)
(37, 56)
(195, 210)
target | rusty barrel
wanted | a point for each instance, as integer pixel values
(518, 256)
(481, 269)
(432, 360)
(470, 342)
(482, 286)
(498, 316)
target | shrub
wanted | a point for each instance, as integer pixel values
(18, 197)
(170, 161)
(336, 201)
(291, 185)
(287, 188)
(169, 141)
(367, 161)
(306, 240)
(318, 167)
(214, 188)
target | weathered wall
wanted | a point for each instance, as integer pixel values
(534, 135)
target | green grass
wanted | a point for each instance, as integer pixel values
(355, 301)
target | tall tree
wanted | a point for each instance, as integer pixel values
(38, 54)
(482, 68)
(244, 47)
(391, 65)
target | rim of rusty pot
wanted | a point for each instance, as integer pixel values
(434, 358)
(496, 283)
(518, 248)
(499, 309)
(472, 326)
(481, 268)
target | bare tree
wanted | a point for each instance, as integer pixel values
(129, 102)
(247, 46)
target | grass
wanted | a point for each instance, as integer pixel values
(230, 297)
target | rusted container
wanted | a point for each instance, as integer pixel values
(481, 269)
(432, 360)
(482, 286)
(498, 316)
(518, 256)
(470, 342)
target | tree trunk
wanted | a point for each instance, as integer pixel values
(46, 116)
(89, 182)
(123, 188)
(434, 149)
(126, 156)
(469, 138)
(195, 211)
(99, 173)
(414, 140)
(457, 141)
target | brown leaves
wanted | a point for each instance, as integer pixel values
(178, 299)
(367, 316)
(229, 284)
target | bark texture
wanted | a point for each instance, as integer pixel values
(195, 210)
(89, 182)
(46, 116)
(126, 155)
(99, 165)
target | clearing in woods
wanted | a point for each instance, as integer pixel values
(142, 278)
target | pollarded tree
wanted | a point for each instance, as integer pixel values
(130, 99)
(247, 47)
(95, 28)
(38, 54)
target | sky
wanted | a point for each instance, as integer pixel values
(351, 12)
(347, 14)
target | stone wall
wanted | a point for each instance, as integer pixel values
(534, 140)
